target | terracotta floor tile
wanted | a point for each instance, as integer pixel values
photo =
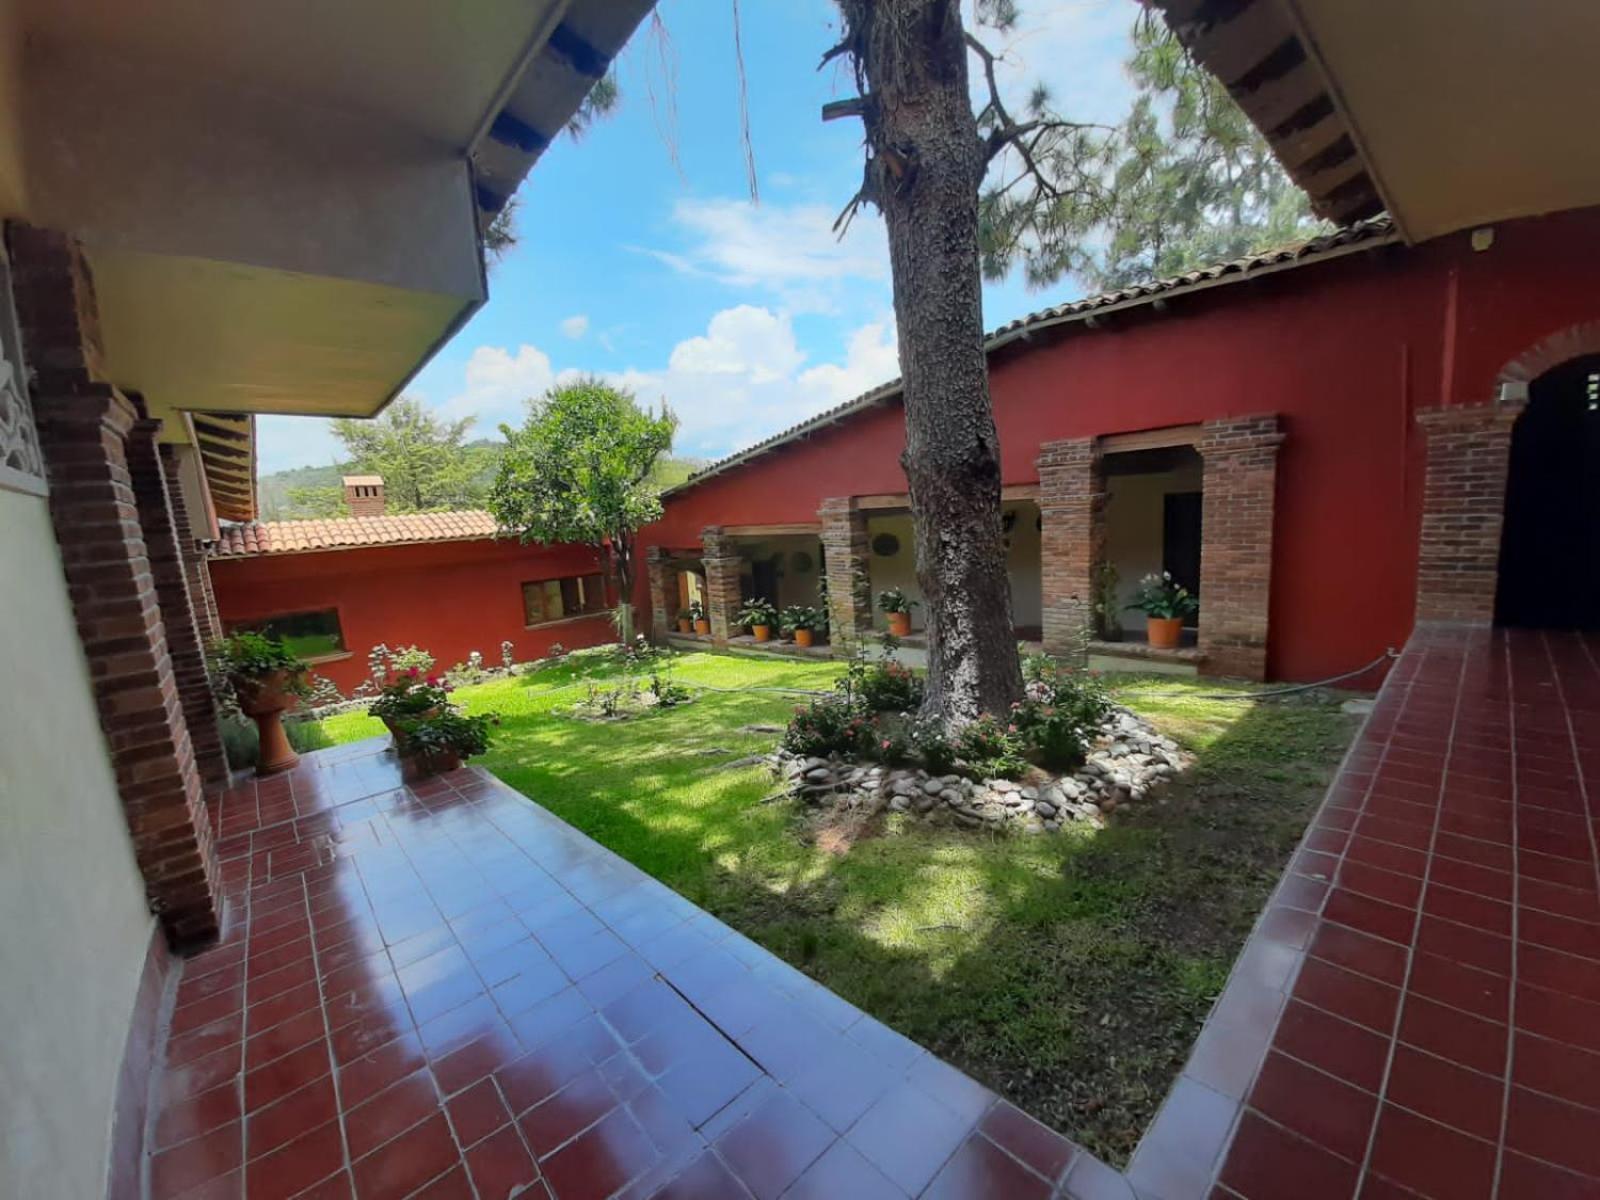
(390, 1113)
(980, 1170)
(266, 1129)
(402, 1165)
(1454, 1035)
(192, 1116)
(1351, 1052)
(1268, 1162)
(706, 1178)
(841, 1172)
(477, 1112)
(774, 1145)
(1431, 1159)
(1038, 1147)
(500, 1164)
(1555, 1131)
(1324, 1110)
(1345, 994)
(1446, 1092)
(908, 1137)
(600, 1161)
(192, 1163)
(560, 1117)
(1556, 1069)
(295, 1166)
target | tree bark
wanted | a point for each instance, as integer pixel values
(925, 163)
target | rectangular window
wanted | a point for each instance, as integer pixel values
(311, 635)
(555, 599)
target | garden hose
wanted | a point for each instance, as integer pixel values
(1390, 654)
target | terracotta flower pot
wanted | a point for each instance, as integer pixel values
(763, 633)
(264, 701)
(1164, 632)
(685, 625)
(420, 766)
(702, 626)
(804, 637)
(900, 624)
(399, 734)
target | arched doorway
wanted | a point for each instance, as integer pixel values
(1549, 574)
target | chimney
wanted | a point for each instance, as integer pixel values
(363, 495)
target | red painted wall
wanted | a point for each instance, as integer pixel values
(1345, 351)
(450, 598)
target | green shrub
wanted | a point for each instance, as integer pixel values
(242, 745)
(1061, 714)
(932, 745)
(991, 749)
(889, 687)
(828, 725)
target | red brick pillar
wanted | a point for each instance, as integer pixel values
(1238, 493)
(1463, 507)
(173, 557)
(724, 584)
(1072, 537)
(844, 551)
(84, 430)
(663, 591)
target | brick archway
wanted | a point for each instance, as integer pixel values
(1575, 341)
(1464, 495)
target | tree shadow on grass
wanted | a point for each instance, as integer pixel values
(1068, 973)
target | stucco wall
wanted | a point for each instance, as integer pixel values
(900, 569)
(795, 585)
(449, 598)
(74, 927)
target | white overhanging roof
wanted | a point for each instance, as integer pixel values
(1449, 114)
(281, 201)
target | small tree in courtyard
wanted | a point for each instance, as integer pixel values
(579, 471)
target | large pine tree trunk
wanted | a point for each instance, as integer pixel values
(925, 163)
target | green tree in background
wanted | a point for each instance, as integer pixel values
(580, 470)
(425, 463)
(1184, 181)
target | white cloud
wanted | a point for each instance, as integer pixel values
(744, 378)
(788, 251)
(498, 383)
(575, 326)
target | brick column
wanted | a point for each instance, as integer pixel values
(1072, 535)
(1463, 508)
(846, 563)
(724, 588)
(1238, 491)
(663, 591)
(84, 430)
(173, 556)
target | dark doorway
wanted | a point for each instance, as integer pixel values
(1180, 541)
(764, 578)
(1550, 546)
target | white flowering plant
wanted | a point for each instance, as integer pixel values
(1160, 596)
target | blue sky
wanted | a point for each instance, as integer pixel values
(665, 277)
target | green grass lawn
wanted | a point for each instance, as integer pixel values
(1070, 973)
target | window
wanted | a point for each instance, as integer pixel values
(311, 635)
(556, 599)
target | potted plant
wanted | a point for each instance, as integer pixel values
(760, 616)
(802, 622)
(685, 622)
(407, 697)
(266, 679)
(1165, 604)
(439, 742)
(894, 602)
(697, 614)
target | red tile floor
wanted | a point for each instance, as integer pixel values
(445, 991)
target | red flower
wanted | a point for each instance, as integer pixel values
(413, 672)
(1011, 728)
(885, 743)
(433, 681)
